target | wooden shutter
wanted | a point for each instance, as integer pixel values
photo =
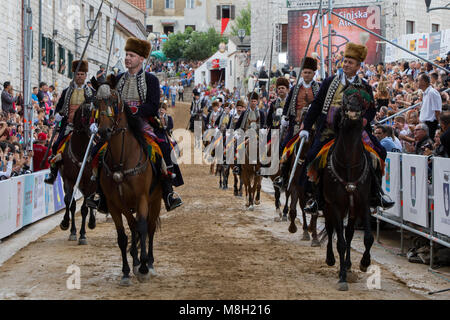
(232, 12)
(69, 64)
(219, 12)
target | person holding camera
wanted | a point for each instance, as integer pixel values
(6, 164)
(7, 98)
(424, 145)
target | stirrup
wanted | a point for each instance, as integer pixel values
(312, 206)
(177, 201)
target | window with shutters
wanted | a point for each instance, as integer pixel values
(170, 4)
(69, 64)
(409, 27)
(99, 30)
(10, 55)
(434, 27)
(108, 22)
(62, 60)
(149, 4)
(190, 4)
(226, 12)
(50, 50)
(284, 37)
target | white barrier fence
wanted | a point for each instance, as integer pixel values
(420, 206)
(27, 199)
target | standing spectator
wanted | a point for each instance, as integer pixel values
(101, 74)
(431, 104)
(180, 92)
(173, 93)
(43, 88)
(7, 98)
(34, 94)
(39, 150)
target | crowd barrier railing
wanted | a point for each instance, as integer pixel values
(420, 187)
(26, 199)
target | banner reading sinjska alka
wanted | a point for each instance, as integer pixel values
(300, 23)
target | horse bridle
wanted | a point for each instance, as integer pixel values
(119, 175)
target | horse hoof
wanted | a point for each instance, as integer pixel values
(64, 225)
(92, 225)
(257, 202)
(292, 228)
(330, 262)
(305, 236)
(251, 208)
(142, 278)
(73, 237)
(342, 286)
(136, 270)
(362, 268)
(315, 243)
(277, 219)
(284, 219)
(152, 272)
(125, 282)
(82, 242)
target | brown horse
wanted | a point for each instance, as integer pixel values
(346, 187)
(251, 178)
(69, 169)
(128, 181)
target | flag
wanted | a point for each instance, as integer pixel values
(224, 24)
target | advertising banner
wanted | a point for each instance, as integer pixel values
(39, 208)
(300, 23)
(415, 191)
(58, 194)
(7, 217)
(391, 181)
(441, 183)
(28, 200)
(435, 45)
(17, 197)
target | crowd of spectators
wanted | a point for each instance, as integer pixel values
(15, 158)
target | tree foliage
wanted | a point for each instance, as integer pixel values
(192, 45)
(243, 21)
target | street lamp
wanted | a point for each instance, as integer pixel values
(428, 3)
(91, 26)
(241, 34)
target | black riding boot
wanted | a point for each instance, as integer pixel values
(317, 202)
(52, 175)
(170, 201)
(378, 198)
(282, 180)
(100, 205)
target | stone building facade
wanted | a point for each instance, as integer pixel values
(64, 33)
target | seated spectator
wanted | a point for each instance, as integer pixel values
(424, 145)
(444, 121)
(381, 132)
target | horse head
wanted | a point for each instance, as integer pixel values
(109, 108)
(81, 119)
(354, 102)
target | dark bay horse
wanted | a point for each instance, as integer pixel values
(346, 186)
(69, 169)
(128, 181)
(298, 195)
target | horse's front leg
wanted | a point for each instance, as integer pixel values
(142, 228)
(84, 212)
(341, 247)
(286, 207)
(368, 241)
(122, 241)
(330, 260)
(258, 189)
(278, 215)
(293, 210)
(349, 232)
(64, 225)
(91, 224)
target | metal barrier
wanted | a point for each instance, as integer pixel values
(406, 180)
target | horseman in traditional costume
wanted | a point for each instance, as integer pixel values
(252, 118)
(213, 118)
(140, 91)
(196, 109)
(303, 95)
(322, 114)
(71, 99)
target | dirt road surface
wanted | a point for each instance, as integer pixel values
(210, 248)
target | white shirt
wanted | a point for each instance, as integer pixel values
(344, 77)
(431, 102)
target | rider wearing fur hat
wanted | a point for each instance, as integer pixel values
(322, 113)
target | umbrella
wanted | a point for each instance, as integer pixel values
(159, 55)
